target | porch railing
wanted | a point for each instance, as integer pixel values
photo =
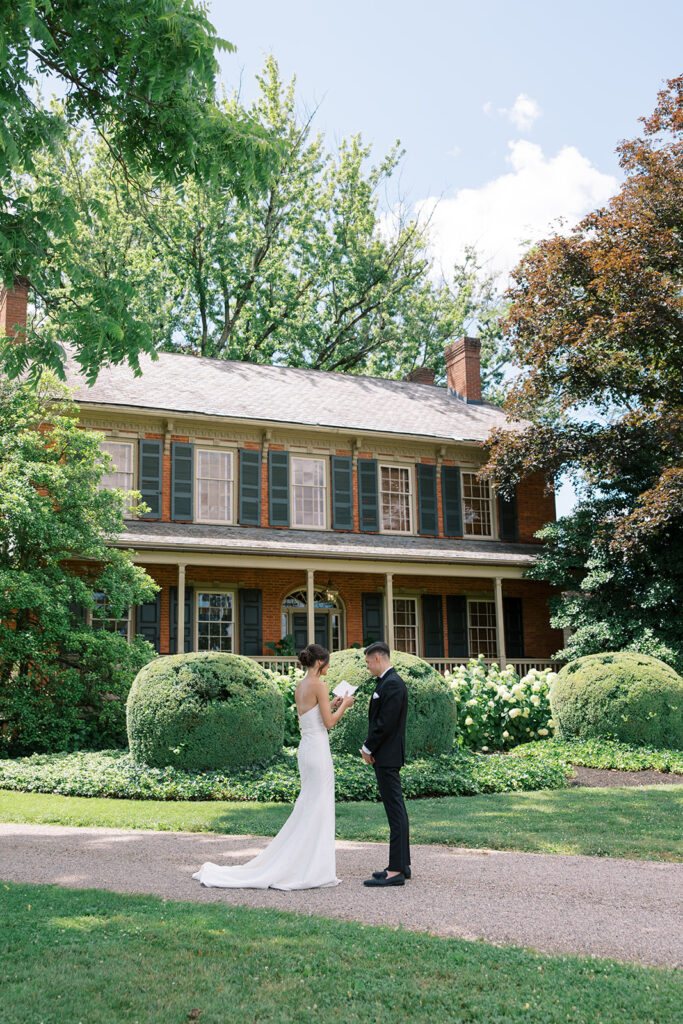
(521, 665)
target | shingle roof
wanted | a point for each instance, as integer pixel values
(190, 384)
(240, 540)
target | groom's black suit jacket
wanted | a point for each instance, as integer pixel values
(386, 739)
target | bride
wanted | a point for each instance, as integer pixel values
(301, 856)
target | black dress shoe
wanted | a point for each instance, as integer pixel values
(387, 880)
(383, 874)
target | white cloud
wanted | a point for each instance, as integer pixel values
(488, 108)
(523, 112)
(504, 215)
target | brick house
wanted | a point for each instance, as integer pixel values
(325, 506)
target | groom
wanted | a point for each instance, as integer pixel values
(385, 748)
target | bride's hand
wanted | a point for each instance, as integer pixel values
(348, 701)
(336, 703)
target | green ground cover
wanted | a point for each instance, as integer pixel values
(112, 773)
(642, 822)
(601, 753)
(139, 958)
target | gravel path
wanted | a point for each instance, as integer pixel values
(624, 909)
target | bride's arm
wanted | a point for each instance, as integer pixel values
(329, 717)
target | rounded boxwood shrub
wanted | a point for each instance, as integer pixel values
(627, 696)
(202, 712)
(432, 709)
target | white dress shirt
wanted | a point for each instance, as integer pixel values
(364, 749)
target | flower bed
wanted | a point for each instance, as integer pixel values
(496, 709)
(113, 773)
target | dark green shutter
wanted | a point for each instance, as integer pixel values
(182, 481)
(151, 461)
(342, 492)
(189, 620)
(427, 513)
(250, 488)
(373, 618)
(507, 517)
(149, 621)
(432, 615)
(456, 613)
(450, 496)
(251, 616)
(512, 623)
(368, 500)
(278, 488)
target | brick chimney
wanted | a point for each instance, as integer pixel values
(13, 302)
(463, 367)
(421, 375)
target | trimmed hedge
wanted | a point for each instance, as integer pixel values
(627, 696)
(201, 712)
(432, 708)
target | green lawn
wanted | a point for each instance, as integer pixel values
(97, 957)
(621, 822)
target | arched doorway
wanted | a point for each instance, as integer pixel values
(328, 618)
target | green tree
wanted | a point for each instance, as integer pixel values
(309, 272)
(141, 75)
(596, 328)
(61, 681)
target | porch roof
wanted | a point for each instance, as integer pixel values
(312, 544)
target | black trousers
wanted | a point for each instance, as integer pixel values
(389, 783)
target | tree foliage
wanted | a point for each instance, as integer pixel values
(596, 327)
(140, 74)
(308, 272)
(55, 526)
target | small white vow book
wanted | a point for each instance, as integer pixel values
(344, 689)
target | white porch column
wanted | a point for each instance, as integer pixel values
(181, 609)
(310, 609)
(389, 591)
(500, 627)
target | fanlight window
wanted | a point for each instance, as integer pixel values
(328, 619)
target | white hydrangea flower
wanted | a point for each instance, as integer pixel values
(535, 699)
(469, 721)
(514, 712)
(542, 732)
(506, 734)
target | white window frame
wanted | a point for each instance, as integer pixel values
(91, 618)
(220, 451)
(415, 598)
(410, 469)
(102, 486)
(326, 490)
(484, 599)
(493, 535)
(235, 631)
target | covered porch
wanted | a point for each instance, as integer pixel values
(445, 610)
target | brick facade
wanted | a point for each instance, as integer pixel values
(540, 640)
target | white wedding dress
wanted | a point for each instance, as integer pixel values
(301, 856)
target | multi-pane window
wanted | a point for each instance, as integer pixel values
(405, 624)
(215, 622)
(476, 500)
(308, 492)
(121, 477)
(395, 499)
(103, 618)
(482, 629)
(214, 486)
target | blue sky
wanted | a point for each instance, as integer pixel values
(510, 112)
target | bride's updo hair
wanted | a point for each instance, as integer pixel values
(313, 653)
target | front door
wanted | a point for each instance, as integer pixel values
(300, 629)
